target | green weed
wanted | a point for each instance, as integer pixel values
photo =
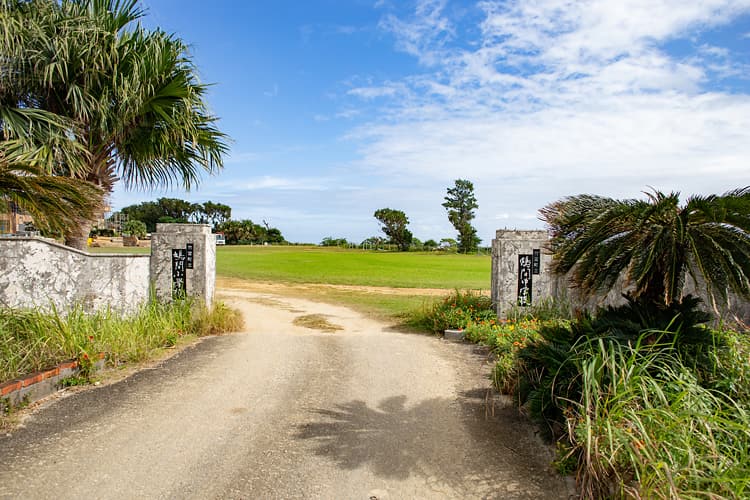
(645, 427)
(459, 310)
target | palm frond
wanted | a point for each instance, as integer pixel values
(129, 97)
(56, 203)
(655, 243)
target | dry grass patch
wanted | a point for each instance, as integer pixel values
(316, 322)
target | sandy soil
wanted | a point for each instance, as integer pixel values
(287, 411)
(288, 289)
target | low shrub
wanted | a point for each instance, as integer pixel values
(546, 376)
(644, 401)
(456, 311)
(506, 339)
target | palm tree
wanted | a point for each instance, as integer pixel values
(132, 95)
(655, 243)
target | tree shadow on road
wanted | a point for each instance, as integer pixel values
(442, 440)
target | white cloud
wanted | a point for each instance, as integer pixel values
(560, 97)
(274, 92)
(374, 92)
(424, 34)
(281, 183)
(347, 30)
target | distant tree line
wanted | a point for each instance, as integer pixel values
(380, 243)
(165, 210)
(246, 232)
(218, 215)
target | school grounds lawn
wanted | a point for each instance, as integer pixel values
(305, 270)
(337, 266)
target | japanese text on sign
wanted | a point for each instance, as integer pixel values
(181, 261)
(524, 279)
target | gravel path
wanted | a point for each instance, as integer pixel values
(282, 411)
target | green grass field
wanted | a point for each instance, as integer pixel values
(337, 266)
(354, 267)
(134, 250)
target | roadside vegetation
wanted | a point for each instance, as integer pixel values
(646, 399)
(32, 340)
(635, 410)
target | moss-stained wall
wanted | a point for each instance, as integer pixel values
(40, 273)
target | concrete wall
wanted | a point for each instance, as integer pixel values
(40, 273)
(509, 244)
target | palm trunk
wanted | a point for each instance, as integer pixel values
(77, 237)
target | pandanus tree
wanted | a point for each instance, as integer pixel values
(131, 95)
(654, 243)
(35, 143)
(31, 143)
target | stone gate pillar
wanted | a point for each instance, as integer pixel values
(520, 269)
(183, 261)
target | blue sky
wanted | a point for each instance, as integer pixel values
(339, 107)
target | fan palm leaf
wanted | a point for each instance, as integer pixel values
(132, 94)
(35, 144)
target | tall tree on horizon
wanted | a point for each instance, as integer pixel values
(131, 95)
(656, 243)
(394, 224)
(460, 204)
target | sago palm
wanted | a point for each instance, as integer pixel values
(654, 243)
(131, 94)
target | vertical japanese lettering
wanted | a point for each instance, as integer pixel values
(179, 277)
(524, 279)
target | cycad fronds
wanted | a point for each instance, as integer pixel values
(653, 243)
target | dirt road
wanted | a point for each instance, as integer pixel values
(285, 411)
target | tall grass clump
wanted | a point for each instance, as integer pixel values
(639, 411)
(31, 340)
(644, 427)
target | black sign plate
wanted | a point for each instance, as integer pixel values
(536, 261)
(179, 277)
(524, 279)
(189, 256)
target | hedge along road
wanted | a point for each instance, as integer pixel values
(286, 411)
